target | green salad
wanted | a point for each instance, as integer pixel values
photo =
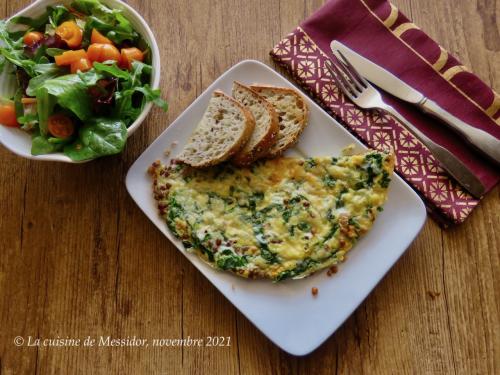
(83, 76)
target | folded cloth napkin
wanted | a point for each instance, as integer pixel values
(378, 31)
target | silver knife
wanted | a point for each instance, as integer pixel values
(483, 141)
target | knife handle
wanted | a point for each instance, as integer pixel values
(481, 140)
(446, 159)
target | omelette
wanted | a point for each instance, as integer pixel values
(278, 219)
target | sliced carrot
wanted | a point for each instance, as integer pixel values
(8, 115)
(130, 54)
(81, 65)
(69, 57)
(102, 52)
(61, 126)
(28, 100)
(97, 37)
(71, 33)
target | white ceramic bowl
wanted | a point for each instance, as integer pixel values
(19, 141)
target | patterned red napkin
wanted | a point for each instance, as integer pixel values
(378, 31)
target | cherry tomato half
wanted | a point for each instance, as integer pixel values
(61, 126)
(8, 115)
(32, 37)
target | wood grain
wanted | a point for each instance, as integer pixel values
(78, 258)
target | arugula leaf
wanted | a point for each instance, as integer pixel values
(28, 121)
(99, 137)
(139, 69)
(71, 93)
(12, 51)
(89, 6)
(153, 96)
(57, 14)
(16, 57)
(124, 107)
(90, 77)
(109, 22)
(6, 37)
(54, 16)
(111, 69)
(123, 29)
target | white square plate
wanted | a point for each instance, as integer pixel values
(286, 312)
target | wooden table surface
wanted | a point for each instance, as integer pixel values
(78, 257)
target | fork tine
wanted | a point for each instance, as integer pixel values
(345, 90)
(353, 78)
(352, 70)
(346, 86)
(343, 77)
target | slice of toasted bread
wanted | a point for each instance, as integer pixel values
(266, 125)
(292, 114)
(224, 129)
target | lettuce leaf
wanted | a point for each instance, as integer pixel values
(45, 71)
(109, 22)
(40, 145)
(98, 137)
(70, 92)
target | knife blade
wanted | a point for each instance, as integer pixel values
(481, 140)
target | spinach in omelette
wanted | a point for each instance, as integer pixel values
(278, 219)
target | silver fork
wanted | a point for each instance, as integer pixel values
(364, 95)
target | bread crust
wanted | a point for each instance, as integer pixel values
(300, 99)
(268, 140)
(247, 132)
